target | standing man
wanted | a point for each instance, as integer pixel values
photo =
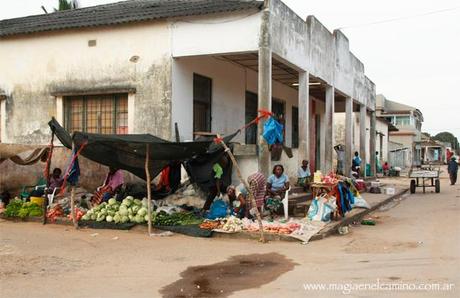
(452, 169)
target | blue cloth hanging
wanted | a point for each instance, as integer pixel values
(273, 131)
(74, 173)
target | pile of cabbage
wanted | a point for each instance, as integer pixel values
(129, 210)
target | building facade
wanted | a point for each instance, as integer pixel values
(408, 120)
(134, 67)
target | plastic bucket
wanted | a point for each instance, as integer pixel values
(37, 200)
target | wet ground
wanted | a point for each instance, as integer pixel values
(223, 278)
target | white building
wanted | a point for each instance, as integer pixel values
(207, 65)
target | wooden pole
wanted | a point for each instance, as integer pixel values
(72, 198)
(72, 206)
(177, 132)
(149, 191)
(246, 185)
(47, 171)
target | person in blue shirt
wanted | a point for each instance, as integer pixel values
(356, 163)
(452, 169)
(277, 185)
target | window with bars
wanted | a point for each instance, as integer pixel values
(104, 114)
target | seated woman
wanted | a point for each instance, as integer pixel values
(111, 186)
(277, 184)
(238, 206)
(55, 180)
(230, 195)
(304, 175)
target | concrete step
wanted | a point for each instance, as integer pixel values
(299, 203)
(296, 189)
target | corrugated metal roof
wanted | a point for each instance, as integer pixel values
(121, 12)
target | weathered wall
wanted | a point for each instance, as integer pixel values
(13, 177)
(37, 66)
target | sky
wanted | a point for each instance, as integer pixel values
(413, 59)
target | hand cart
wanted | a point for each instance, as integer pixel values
(430, 174)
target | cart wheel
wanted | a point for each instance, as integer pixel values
(437, 186)
(412, 186)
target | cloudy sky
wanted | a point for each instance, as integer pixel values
(412, 53)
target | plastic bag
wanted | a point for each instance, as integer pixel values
(273, 131)
(360, 203)
(321, 209)
(218, 209)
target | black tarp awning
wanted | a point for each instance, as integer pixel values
(128, 152)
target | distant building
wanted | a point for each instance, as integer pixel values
(408, 120)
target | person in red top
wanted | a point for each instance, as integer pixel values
(386, 169)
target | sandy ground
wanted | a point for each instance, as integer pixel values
(415, 241)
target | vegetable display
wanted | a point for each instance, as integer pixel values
(17, 208)
(79, 213)
(129, 210)
(181, 218)
(54, 213)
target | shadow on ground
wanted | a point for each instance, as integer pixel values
(222, 279)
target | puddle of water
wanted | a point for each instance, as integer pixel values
(222, 279)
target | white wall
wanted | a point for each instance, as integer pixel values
(218, 34)
(229, 85)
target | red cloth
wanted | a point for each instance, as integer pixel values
(164, 178)
(98, 195)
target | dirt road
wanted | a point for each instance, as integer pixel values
(416, 241)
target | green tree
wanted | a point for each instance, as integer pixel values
(66, 5)
(448, 137)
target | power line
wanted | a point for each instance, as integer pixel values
(401, 18)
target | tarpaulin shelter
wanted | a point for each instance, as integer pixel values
(12, 151)
(128, 152)
(144, 155)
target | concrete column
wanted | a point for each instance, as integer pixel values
(362, 137)
(372, 147)
(348, 135)
(264, 88)
(329, 132)
(304, 117)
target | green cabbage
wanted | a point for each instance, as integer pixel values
(109, 218)
(135, 209)
(123, 210)
(142, 211)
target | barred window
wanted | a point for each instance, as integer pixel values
(104, 114)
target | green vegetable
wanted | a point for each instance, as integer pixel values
(117, 218)
(123, 210)
(142, 211)
(17, 208)
(112, 201)
(12, 210)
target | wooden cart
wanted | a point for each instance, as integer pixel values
(419, 177)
